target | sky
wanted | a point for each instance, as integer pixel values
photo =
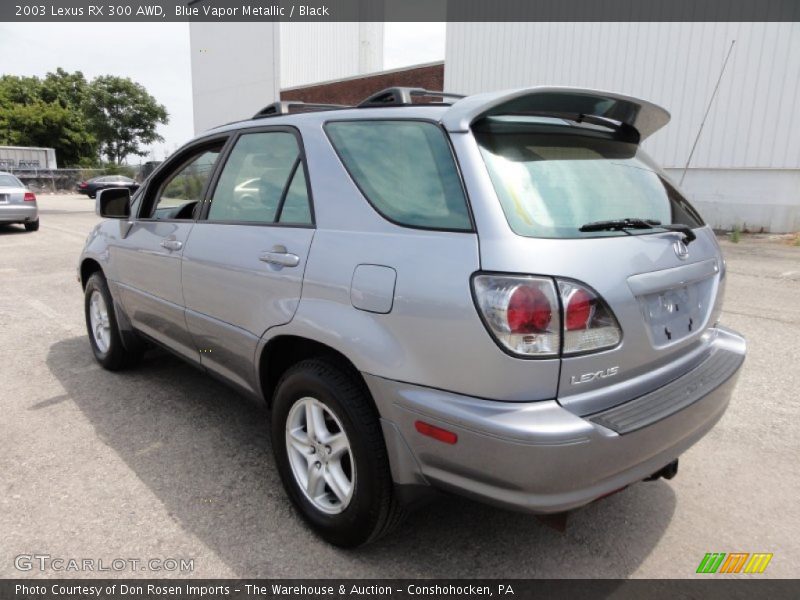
(157, 55)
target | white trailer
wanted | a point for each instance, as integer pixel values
(26, 158)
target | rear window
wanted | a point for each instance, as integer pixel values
(9, 181)
(552, 179)
(406, 171)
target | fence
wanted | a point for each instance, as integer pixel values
(66, 180)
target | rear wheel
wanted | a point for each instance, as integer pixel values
(101, 323)
(330, 453)
(32, 225)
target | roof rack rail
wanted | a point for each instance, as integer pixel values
(403, 96)
(285, 107)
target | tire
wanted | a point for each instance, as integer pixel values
(101, 325)
(32, 225)
(371, 509)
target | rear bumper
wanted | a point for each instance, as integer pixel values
(538, 456)
(18, 213)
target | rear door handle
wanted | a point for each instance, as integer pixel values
(281, 257)
(171, 244)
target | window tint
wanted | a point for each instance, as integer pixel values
(552, 182)
(405, 169)
(255, 178)
(296, 208)
(181, 194)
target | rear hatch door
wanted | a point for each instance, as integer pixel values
(560, 159)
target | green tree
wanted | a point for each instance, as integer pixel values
(123, 117)
(80, 119)
(70, 90)
(33, 114)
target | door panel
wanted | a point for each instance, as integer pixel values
(232, 296)
(148, 258)
(242, 270)
(150, 276)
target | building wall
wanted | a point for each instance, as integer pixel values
(753, 124)
(238, 68)
(235, 70)
(353, 90)
(312, 52)
(751, 199)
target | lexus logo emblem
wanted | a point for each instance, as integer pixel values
(681, 251)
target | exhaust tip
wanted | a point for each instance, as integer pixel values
(667, 472)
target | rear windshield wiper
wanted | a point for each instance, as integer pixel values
(634, 223)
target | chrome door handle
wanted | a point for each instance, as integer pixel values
(281, 257)
(171, 244)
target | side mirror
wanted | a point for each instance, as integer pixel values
(113, 203)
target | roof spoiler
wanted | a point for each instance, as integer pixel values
(591, 106)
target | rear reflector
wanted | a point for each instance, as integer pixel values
(29, 197)
(437, 433)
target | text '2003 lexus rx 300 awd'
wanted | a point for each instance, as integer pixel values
(499, 296)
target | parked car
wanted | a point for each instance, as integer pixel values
(17, 203)
(90, 187)
(501, 297)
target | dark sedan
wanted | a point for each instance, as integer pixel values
(90, 187)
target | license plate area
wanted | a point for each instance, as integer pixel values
(3, 198)
(678, 312)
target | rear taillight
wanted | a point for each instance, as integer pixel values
(521, 312)
(589, 324)
(29, 197)
(524, 315)
(83, 184)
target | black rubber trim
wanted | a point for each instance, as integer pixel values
(673, 397)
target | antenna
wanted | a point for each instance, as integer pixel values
(708, 109)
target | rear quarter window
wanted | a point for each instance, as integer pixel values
(406, 171)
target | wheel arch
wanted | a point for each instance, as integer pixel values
(89, 267)
(282, 351)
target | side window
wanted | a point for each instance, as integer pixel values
(180, 195)
(261, 181)
(406, 171)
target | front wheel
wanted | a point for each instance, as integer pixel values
(330, 453)
(101, 323)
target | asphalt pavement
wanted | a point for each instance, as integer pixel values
(164, 462)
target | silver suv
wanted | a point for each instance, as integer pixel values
(499, 296)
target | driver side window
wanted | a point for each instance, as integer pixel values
(181, 194)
